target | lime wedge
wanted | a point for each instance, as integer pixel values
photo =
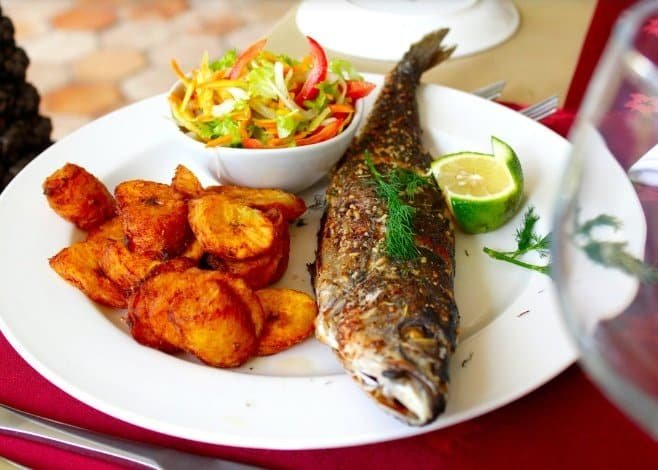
(483, 191)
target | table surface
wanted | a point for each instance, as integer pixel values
(536, 62)
(567, 423)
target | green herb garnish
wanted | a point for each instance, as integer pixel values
(400, 234)
(527, 241)
(611, 254)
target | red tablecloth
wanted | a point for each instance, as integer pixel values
(566, 423)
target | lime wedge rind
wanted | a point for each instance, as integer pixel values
(475, 212)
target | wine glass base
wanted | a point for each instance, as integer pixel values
(638, 406)
(385, 32)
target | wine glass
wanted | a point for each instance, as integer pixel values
(605, 233)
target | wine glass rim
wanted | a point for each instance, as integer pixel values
(624, 29)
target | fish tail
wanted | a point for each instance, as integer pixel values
(393, 122)
(426, 53)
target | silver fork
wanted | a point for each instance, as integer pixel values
(36, 428)
(541, 109)
(491, 91)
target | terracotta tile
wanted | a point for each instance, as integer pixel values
(267, 11)
(150, 9)
(187, 50)
(31, 18)
(108, 65)
(27, 27)
(92, 99)
(85, 17)
(250, 33)
(218, 25)
(136, 35)
(44, 9)
(108, 3)
(149, 82)
(59, 46)
(65, 123)
(47, 77)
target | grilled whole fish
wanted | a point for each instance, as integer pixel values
(393, 324)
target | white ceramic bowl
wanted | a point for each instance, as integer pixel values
(291, 169)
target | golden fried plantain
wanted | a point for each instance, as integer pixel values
(290, 319)
(250, 301)
(147, 310)
(112, 229)
(186, 183)
(78, 264)
(122, 266)
(79, 197)
(291, 206)
(154, 218)
(194, 310)
(229, 229)
(193, 251)
(265, 269)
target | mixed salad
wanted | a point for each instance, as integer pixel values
(259, 99)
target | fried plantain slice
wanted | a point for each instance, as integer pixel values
(193, 251)
(79, 197)
(251, 302)
(147, 310)
(263, 270)
(122, 266)
(229, 229)
(111, 229)
(154, 218)
(291, 206)
(186, 183)
(78, 264)
(290, 319)
(194, 310)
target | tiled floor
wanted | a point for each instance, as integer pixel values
(88, 57)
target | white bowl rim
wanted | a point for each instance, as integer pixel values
(348, 132)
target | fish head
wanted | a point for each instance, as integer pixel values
(408, 375)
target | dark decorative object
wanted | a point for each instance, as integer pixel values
(24, 133)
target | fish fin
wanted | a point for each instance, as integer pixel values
(428, 52)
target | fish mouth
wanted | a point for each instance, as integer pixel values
(401, 392)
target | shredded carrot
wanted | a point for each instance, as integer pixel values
(219, 141)
(177, 70)
(341, 108)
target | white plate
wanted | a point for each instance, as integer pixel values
(512, 338)
(383, 30)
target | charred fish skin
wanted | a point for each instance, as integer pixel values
(393, 324)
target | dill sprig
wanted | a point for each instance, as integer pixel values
(527, 241)
(612, 254)
(400, 233)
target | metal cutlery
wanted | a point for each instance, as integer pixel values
(537, 111)
(6, 464)
(31, 427)
(541, 109)
(491, 91)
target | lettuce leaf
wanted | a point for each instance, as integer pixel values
(287, 123)
(225, 62)
(220, 127)
(345, 69)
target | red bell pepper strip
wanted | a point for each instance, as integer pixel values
(358, 89)
(246, 56)
(317, 74)
(251, 143)
(327, 132)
